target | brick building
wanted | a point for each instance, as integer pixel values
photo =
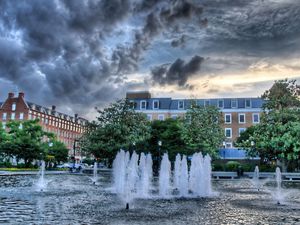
(67, 128)
(237, 113)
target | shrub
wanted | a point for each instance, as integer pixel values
(248, 167)
(217, 167)
(5, 164)
(232, 165)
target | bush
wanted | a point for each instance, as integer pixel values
(232, 165)
(88, 161)
(267, 168)
(248, 167)
(217, 167)
(5, 164)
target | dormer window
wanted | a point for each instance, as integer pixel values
(13, 106)
(155, 104)
(143, 105)
(233, 103)
(221, 103)
(180, 104)
(248, 103)
(206, 102)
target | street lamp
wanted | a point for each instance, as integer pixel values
(224, 146)
(74, 151)
(159, 146)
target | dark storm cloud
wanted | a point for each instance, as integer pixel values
(177, 73)
(79, 53)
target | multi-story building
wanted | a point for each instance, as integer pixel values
(68, 129)
(237, 113)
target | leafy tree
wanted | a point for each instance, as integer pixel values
(277, 137)
(25, 140)
(202, 129)
(283, 94)
(169, 133)
(118, 126)
(56, 152)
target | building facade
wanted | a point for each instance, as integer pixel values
(237, 113)
(68, 129)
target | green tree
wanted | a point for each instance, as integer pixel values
(56, 152)
(277, 137)
(25, 140)
(118, 126)
(202, 129)
(169, 133)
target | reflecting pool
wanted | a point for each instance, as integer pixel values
(75, 199)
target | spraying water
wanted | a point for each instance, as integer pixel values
(133, 176)
(278, 195)
(41, 184)
(184, 178)
(177, 171)
(256, 178)
(95, 175)
(164, 177)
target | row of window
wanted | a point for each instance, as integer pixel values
(241, 118)
(228, 132)
(234, 104)
(12, 116)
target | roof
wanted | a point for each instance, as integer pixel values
(224, 103)
(49, 111)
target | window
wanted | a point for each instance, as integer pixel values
(4, 125)
(206, 102)
(242, 118)
(255, 117)
(21, 116)
(143, 105)
(181, 104)
(30, 116)
(46, 121)
(149, 117)
(132, 104)
(12, 116)
(161, 117)
(174, 116)
(248, 103)
(4, 115)
(221, 103)
(233, 103)
(13, 107)
(21, 126)
(155, 104)
(228, 118)
(228, 144)
(241, 130)
(228, 132)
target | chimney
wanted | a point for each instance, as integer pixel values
(53, 108)
(10, 95)
(21, 94)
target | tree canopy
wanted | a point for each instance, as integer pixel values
(117, 126)
(277, 136)
(202, 129)
(27, 140)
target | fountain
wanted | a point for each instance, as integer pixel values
(165, 177)
(95, 175)
(133, 177)
(177, 170)
(41, 184)
(255, 178)
(278, 193)
(184, 178)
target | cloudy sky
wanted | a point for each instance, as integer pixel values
(80, 54)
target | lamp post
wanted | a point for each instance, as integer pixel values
(133, 147)
(74, 151)
(224, 146)
(159, 146)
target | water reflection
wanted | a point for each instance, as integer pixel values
(73, 199)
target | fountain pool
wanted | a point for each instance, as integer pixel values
(74, 199)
